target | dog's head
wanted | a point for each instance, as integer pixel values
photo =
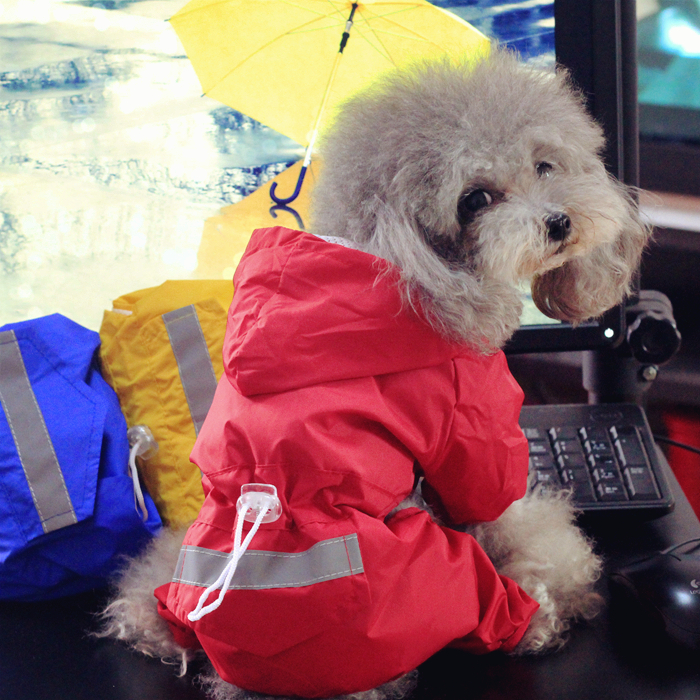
(476, 181)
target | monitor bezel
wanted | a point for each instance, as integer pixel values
(596, 41)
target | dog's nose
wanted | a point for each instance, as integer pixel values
(558, 226)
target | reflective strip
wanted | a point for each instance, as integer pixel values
(193, 361)
(36, 454)
(325, 561)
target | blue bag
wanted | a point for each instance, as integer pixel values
(67, 508)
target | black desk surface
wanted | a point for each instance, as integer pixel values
(45, 653)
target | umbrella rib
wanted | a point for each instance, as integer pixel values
(406, 32)
(340, 16)
(364, 27)
(277, 38)
(260, 49)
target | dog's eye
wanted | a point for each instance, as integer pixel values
(543, 169)
(475, 200)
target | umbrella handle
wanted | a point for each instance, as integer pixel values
(286, 200)
(343, 42)
(293, 212)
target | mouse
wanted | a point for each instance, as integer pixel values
(666, 586)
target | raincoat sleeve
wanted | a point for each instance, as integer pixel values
(483, 466)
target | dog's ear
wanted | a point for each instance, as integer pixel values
(586, 287)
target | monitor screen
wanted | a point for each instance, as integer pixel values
(669, 95)
(669, 69)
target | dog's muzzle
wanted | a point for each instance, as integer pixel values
(558, 226)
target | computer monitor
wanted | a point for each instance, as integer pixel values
(669, 95)
(596, 41)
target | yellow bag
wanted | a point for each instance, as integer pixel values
(162, 354)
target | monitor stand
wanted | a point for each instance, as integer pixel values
(624, 374)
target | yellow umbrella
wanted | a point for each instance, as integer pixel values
(278, 61)
(226, 234)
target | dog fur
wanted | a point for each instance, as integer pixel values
(474, 181)
(402, 159)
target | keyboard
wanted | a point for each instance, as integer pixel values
(604, 454)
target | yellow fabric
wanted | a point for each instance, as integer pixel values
(139, 364)
(226, 235)
(272, 59)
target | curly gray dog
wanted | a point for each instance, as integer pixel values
(473, 182)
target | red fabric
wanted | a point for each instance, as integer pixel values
(339, 395)
(684, 426)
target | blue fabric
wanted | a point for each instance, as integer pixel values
(88, 433)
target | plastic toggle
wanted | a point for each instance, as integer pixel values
(256, 498)
(141, 437)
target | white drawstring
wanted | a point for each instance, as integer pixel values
(267, 508)
(143, 444)
(138, 493)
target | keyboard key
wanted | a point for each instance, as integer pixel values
(594, 432)
(606, 475)
(567, 447)
(571, 461)
(628, 448)
(535, 434)
(599, 448)
(611, 492)
(539, 461)
(546, 477)
(569, 475)
(578, 481)
(640, 483)
(568, 432)
(539, 447)
(601, 462)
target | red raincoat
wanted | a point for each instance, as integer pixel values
(339, 395)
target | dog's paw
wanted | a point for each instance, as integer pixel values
(549, 626)
(132, 615)
(538, 544)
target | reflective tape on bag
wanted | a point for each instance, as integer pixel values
(193, 361)
(32, 441)
(325, 561)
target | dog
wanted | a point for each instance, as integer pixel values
(444, 190)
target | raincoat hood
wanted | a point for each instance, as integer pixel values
(307, 311)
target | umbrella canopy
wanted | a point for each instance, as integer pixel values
(278, 61)
(226, 234)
